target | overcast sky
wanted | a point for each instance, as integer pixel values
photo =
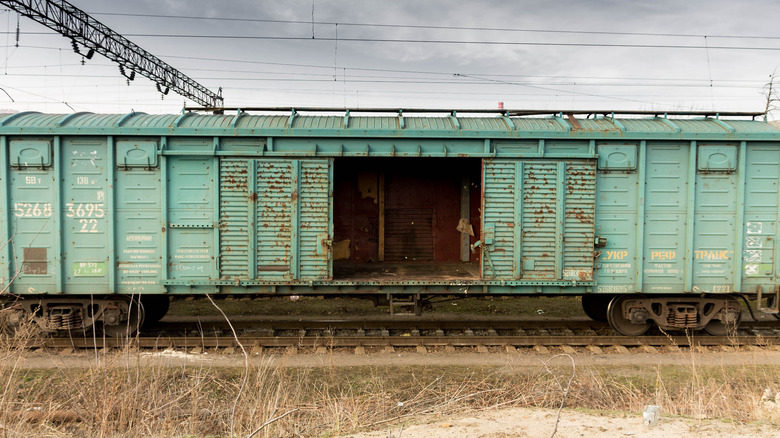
(528, 54)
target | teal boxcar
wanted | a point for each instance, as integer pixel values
(651, 220)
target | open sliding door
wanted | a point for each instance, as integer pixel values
(276, 219)
(538, 219)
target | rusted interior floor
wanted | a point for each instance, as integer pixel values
(405, 271)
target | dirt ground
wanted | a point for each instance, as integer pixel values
(521, 423)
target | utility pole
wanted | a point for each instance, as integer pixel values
(83, 30)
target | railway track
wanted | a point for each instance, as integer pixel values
(322, 335)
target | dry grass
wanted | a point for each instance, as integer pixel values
(114, 396)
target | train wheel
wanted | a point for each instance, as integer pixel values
(595, 306)
(619, 322)
(716, 327)
(125, 323)
(155, 308)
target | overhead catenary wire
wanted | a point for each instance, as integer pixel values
(579, 79)
(296, 73)
(441, 27)
(443, 41)
(475, 42)
(475, 80)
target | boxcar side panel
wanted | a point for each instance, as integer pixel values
(707, 223)
(85, 216)
(683, 210)
(618, 194)
(5, 210)
(139, 226)
(759, 232)
(33, 199)
(666, 203)
(191, 218)
(714, 218)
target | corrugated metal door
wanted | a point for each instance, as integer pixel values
(275, 219)
(538, 220)
(409, 235)
(760, 230)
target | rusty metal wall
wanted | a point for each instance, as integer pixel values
(234, 216)
(409, 234)
(275, 219)
(538, 219)
(421, 199)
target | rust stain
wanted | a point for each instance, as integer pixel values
(163, 229)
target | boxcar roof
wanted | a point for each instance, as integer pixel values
(295, 125)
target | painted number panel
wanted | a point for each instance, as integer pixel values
(33, 265)
(85, 216)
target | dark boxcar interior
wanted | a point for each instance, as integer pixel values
(406, 218)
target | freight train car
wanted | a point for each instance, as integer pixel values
(652, 220)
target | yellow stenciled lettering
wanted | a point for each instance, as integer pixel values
(616, 255)
(712, 255)
(663, 255)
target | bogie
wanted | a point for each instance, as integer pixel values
(632, 315)
(114, 315)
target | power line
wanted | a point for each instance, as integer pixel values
(444, 42)
(470, 42)
(476, 80)
(383, 70)
(434, 27)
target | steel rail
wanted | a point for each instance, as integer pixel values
(384, 323)
(207, 342)
(369, 327)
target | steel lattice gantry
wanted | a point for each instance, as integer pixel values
(77, 25)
